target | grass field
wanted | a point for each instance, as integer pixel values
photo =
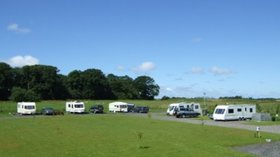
(155, 105)
(117, 135)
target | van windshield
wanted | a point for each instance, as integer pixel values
(79, 105)
(220, 111)
(29, 107)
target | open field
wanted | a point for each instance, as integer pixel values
(117, 135)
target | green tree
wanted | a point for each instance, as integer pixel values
(6, 81)
(122, 87)
(20, 94)
(95, 85)
(75, 84)
(146, 87)
(89, 84)
(43, 80)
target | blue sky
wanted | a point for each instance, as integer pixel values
(190, 47)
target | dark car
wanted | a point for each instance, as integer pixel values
(96, 109)
(186, 112)
(48, 111)
(141, 109)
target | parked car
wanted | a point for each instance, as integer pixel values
(141, 109)
(96, 109)
(48, 111)
(186, 112)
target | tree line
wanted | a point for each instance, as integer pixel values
(43, 82)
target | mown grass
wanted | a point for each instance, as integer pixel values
(262, 123)
(111, 135)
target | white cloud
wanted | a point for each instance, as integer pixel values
(197, 70)
(196, 40)
(120, 68)
(19, 61)
(220, 71)
(145, 67)
(169, 89)
(15, 28)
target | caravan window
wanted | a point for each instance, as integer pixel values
(220, 111)
(171, 108)
(251, 109)
(196, 106)
(182, 108)
(230, 110)
(79, 105)
(123, 106)
(29, 107)
(239, 110)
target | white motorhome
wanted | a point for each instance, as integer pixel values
(118, 107)
(234, 112)
(26, 107)
(177, 106)
(75, 107)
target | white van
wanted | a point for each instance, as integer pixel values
(177, 106)
(234, 112)
(118, 107)
(26, 107)
(75, 107)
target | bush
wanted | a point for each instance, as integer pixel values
(19, 94)
(259, 109)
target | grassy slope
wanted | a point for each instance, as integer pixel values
(116, 135)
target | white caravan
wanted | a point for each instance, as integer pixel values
(234, 112)
(75, 107)
(177, 106)
(118, 107)
(26, 107)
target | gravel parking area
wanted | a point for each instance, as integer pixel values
(263, 150)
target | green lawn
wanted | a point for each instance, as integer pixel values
(117, 135)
